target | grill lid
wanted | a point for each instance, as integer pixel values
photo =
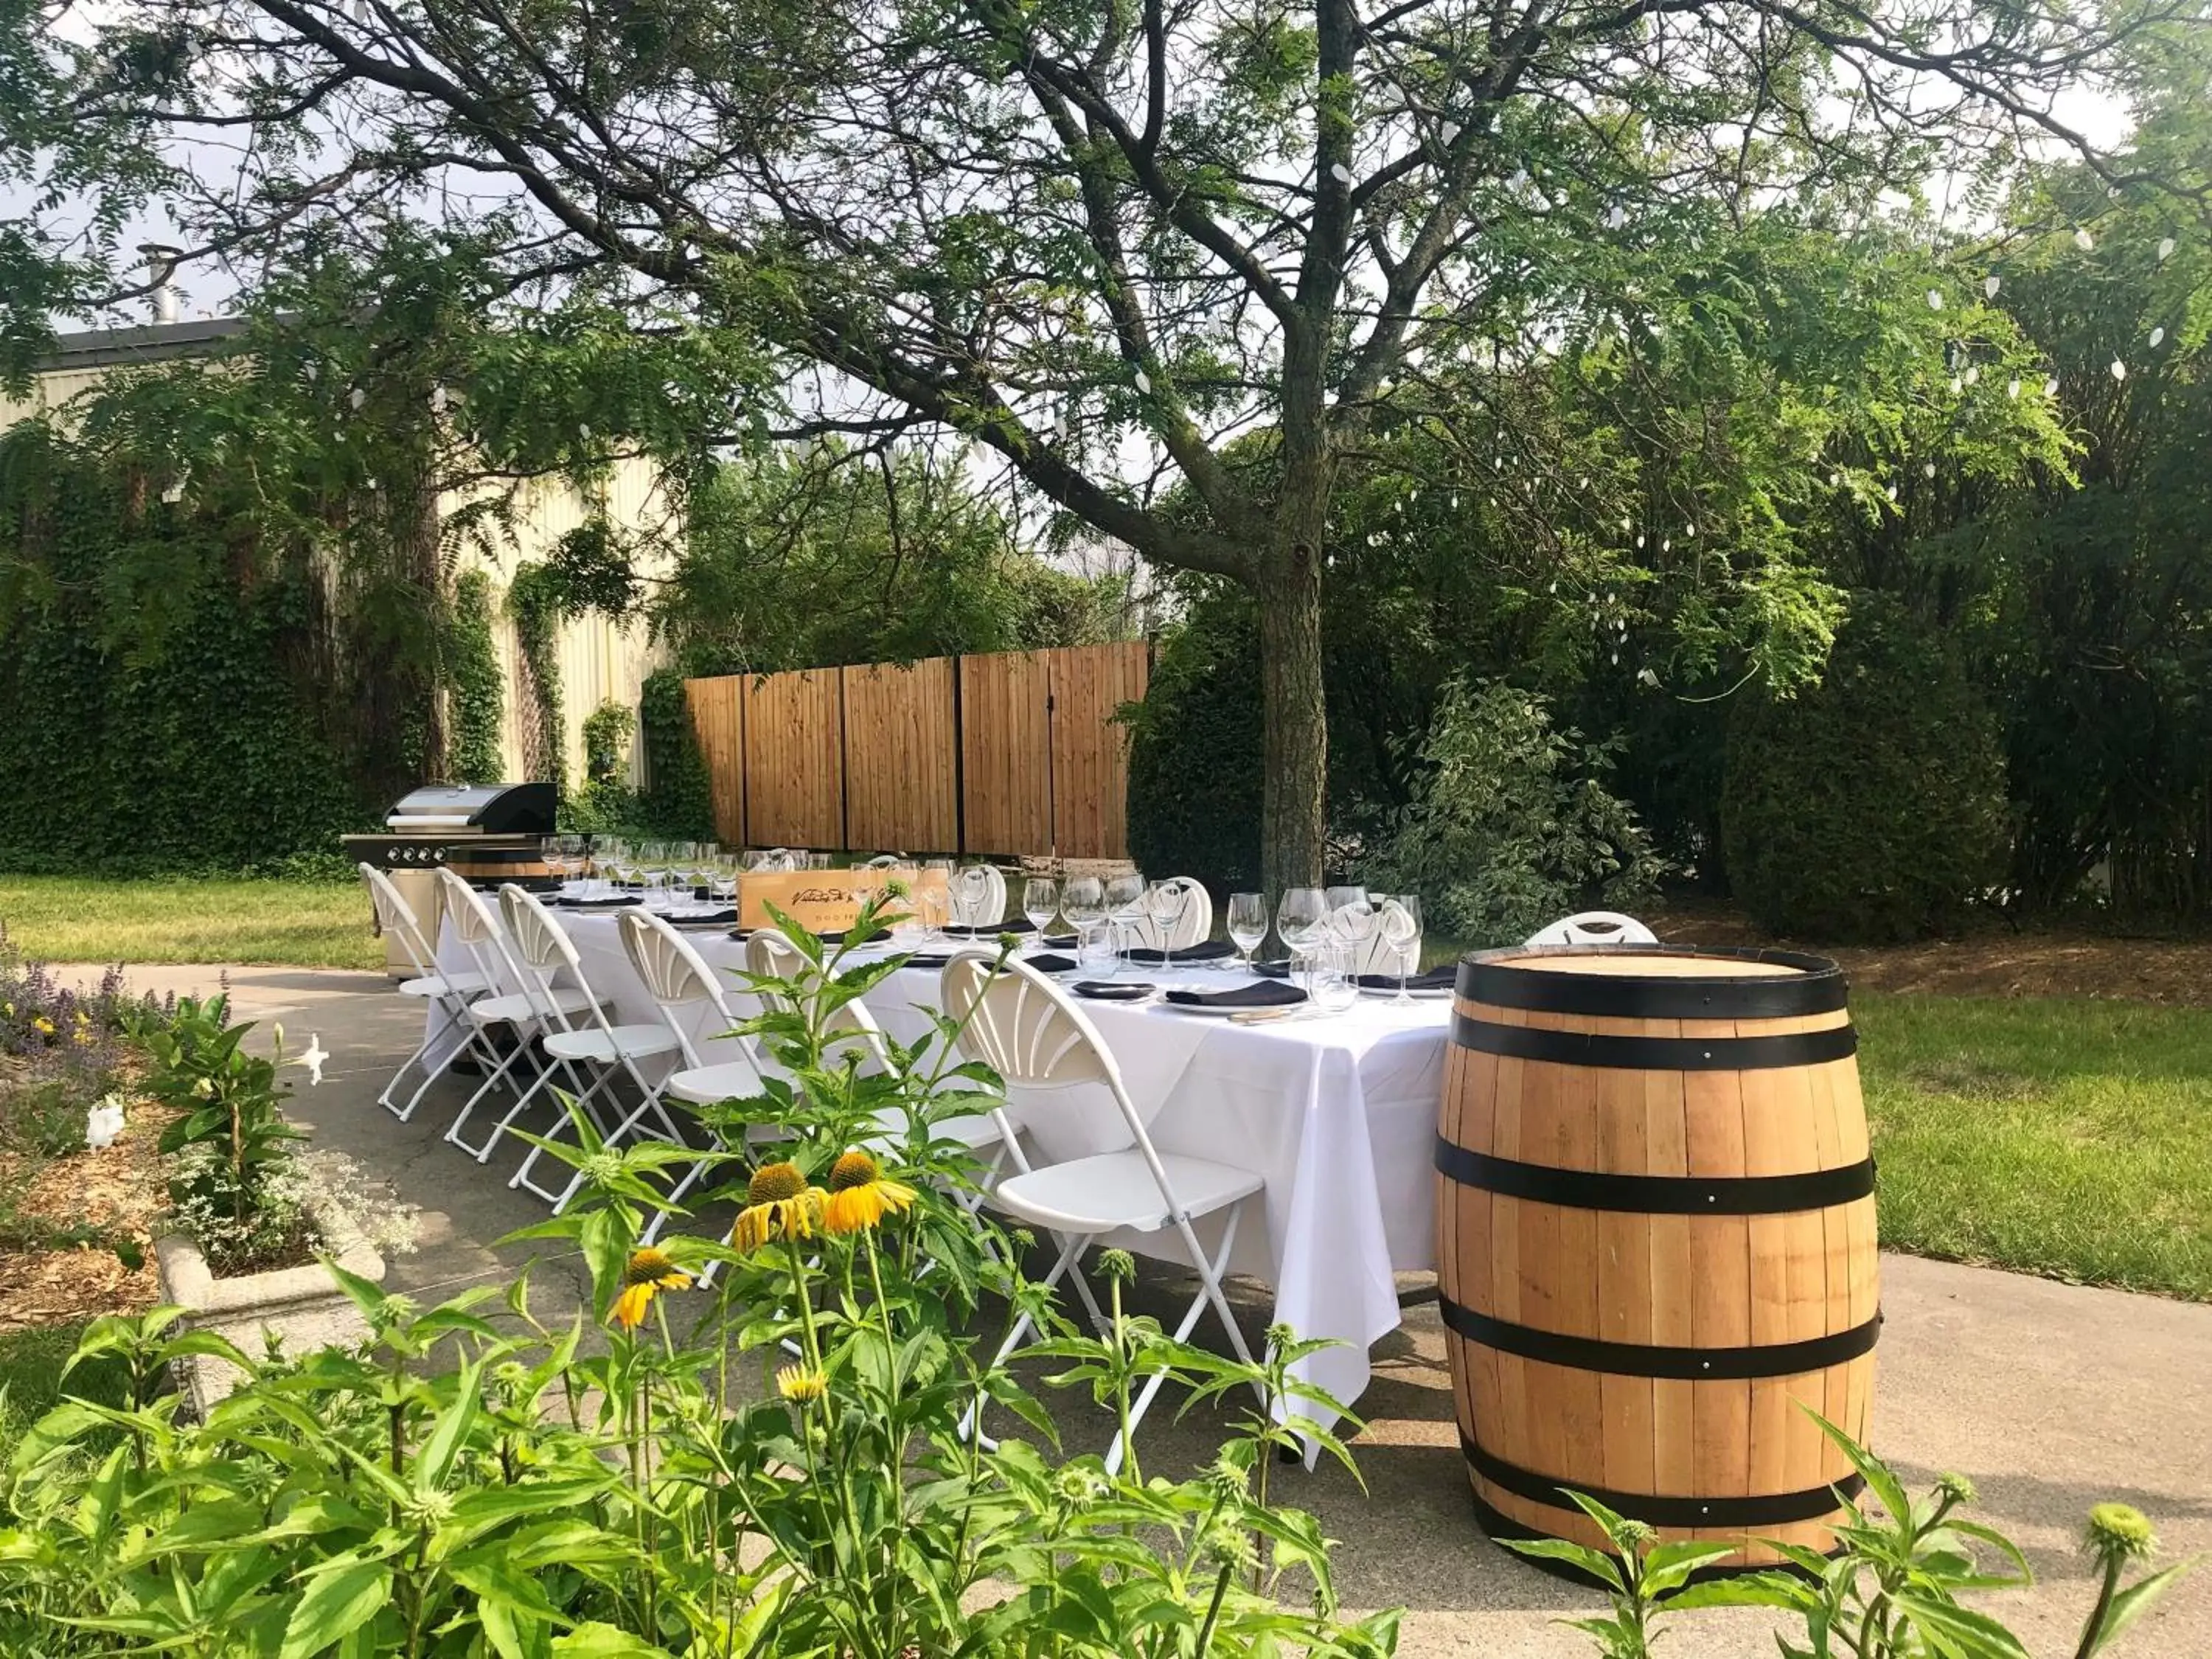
(484, 809)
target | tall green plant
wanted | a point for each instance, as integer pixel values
(776, 1463)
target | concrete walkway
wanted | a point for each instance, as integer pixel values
(2049, 1397)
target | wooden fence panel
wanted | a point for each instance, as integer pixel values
(902, 758)
(718, 721)
(794, 759)
(1005, 752)
(1090, 748)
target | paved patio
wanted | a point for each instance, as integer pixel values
(2049, 1397)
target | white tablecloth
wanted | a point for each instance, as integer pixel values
(1337, 1112)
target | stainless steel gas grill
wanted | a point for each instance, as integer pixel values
(486, 833)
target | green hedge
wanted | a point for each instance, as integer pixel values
(1871, 808)
(194, 751)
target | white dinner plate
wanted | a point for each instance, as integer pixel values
(1275, 1008)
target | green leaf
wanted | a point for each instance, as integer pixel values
(2131, 1603)
(335, 1602)
(598, 1641)
(1960, 1630)
(1598, 1565)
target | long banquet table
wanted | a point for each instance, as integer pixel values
(1336, 1110)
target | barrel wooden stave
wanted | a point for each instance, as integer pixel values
(1668, 1280)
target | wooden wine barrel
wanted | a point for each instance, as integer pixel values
(1656, 1240)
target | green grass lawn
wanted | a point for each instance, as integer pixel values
(297, 923)
(2066, 1137)
(31, 1376)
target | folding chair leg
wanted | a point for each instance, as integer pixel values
(521, 1176)
(971, 1421)
(498, 1075)
(448, 1020)
(1210, 1293)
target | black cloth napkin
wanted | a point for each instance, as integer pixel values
(708, 918)
(1057, 941)
(988, 929)
(1260, 993)
(1272, 969)
(1440, 978)
(924, 959)
(1112, 990)
(1049, 964)
(1212, 950)
(612, 902)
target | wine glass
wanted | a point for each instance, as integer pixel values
(722, 882)
(1299, 917)
(1163, 904)
(1084, 900)
(549, 854)
(973, 892)
(1040, 903)
(1341, 896)
(1125, 902)
(650, 867)
(1401, 926)
(1247, 925)
(1351, 925)
(571, 867)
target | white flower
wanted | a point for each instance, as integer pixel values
(2156, 335)
(2119, 369)
(1617, 217)
(2050, 387)
(314, 1059)
(2084, 241)
(203, 1088)
(2164, 249)
(1143, 382)
(2012, 386)
(1935, 299)
(103, 1122)
(1989, 286)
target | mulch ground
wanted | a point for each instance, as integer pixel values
(120, 1185)
(1991, 961)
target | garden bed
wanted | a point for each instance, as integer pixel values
(116, 1190)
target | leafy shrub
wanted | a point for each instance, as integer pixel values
(458, 1487)
(1890, 1592)
(1194, 749)
(1871, 807)
(1510, 825)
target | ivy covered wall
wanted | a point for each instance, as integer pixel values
(199, 746)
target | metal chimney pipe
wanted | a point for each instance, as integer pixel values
(161, 269)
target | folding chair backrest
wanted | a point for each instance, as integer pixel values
(1594, 927)
(1191, 924)
(396, 919)
(675, 976)
(884, 861)
(770, 954)
(1028, 1030)
(544, 948)
(477, 925)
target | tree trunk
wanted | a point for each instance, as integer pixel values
(1293, 819)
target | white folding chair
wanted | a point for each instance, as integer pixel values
(978, 896)
(1594, 928)
(527, 1008)
(1191, 923)
(1024, 1026)
(990, 1137)
(544, 949)
(447, 994)
(678, 980)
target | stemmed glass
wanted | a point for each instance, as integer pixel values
(610, 859)
(722, 881)
(973, 888)
(1040, 903)
(1247, 925)
(1163, 904)
(571, 851)
(1125, 902)
(549, 854)
(1299, 917)
(1400, 924)
(1351, 923)
(649, 867)
(1085, 901)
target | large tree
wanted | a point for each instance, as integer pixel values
(1101, 238)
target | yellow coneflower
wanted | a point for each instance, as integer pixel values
(779, 1204)
(44, 1025)
(648, 1273)
(860, 1196)
(799, 1384)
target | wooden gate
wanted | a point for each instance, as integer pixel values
(1012, 754)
